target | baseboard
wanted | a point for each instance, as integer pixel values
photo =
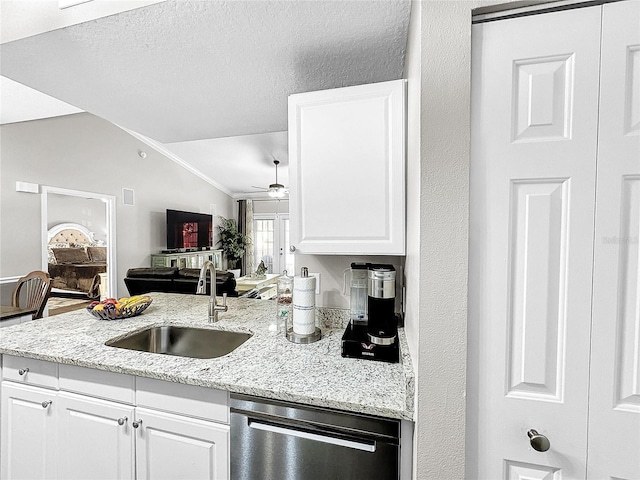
(5, 280)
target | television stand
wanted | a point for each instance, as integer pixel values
(187, 259)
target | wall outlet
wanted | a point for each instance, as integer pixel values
(317, 275)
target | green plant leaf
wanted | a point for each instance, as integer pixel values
(233, 242)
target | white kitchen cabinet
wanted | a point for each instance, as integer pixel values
(87, 425)
(29, 436)
(347, 170)
(96, 438)
(176, 447)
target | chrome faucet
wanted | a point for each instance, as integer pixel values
(214, 308)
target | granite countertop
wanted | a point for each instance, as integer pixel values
(267, 365)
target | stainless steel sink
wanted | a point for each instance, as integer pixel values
(181, 341)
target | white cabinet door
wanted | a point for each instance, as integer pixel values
(28, 439)
(533, 173)
(96, 438)
(174, 447)
(614, 401)
(346, 170)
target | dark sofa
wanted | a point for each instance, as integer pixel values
(174, 280)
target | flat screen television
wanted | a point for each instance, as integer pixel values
(189, 230)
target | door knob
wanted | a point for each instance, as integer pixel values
(292, 248)
(538, 441)
(46, 403)
(136, 423)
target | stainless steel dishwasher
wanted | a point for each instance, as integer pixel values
(275, 440)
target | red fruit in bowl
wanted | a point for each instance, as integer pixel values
(110, 301)
(93, 304)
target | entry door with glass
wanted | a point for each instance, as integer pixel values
(271, 242)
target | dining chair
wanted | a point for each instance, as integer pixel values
(34, 290)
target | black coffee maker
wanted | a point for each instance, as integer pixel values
(377, 338)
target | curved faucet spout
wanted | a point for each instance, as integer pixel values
(214, 308)
(202, 281)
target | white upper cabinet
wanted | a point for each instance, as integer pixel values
(347, 170)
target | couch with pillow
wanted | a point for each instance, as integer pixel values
(175, 280)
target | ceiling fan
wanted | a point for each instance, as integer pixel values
(275, 190)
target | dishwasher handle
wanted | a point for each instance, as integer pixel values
(358, 445)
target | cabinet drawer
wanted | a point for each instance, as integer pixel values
(194, 401)
(98, 383)
(30, 371)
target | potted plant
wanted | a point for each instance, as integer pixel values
(233, 242)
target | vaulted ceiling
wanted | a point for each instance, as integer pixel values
(190, 74)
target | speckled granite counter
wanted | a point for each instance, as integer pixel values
(267, 365)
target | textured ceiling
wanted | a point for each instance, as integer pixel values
(206, 80)
(240, 166)
(190, 70)
(232, 157)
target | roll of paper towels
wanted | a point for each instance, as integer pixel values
(304, 305)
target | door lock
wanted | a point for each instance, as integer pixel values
(538, 441)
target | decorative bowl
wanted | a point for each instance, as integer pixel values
(127, 311)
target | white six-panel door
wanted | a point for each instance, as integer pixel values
(614, 400)
(554, 307)
(535, 96)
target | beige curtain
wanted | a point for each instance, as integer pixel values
(245, 225)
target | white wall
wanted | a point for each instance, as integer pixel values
(32, 18)
(441, 246)
(331, 269)
(88, 212)
(444, 185)
(412, 270)
(84, 152)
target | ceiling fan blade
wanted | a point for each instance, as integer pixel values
(260, 188)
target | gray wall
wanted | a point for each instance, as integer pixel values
(84, 152)
(88, 212)
(437, 260)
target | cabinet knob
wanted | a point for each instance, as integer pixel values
(122, 421)
(136, 423)
(292, 248)
(23, 371)
(46, 403)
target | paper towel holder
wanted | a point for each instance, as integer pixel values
(293, 336)
(302, 339)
